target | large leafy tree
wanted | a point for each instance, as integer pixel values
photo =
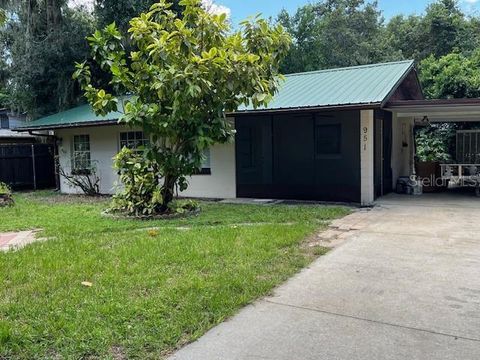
(185, 74)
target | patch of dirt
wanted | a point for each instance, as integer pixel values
(58, 198)
(329, 238)
(118, 353)
(338, 231)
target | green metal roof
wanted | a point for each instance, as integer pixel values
(79, 116)
(357, 85)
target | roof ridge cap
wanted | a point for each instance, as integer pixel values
(346, 68)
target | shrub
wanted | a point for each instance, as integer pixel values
(5, 189)
(138, 193)
(433, 143)
(6, 198)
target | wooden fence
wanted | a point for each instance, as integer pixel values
(29, 166)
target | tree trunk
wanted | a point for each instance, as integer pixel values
(54, 14)
(29, 13)
(167, 192)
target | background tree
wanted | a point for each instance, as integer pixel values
(405, 36)
(446, 28)
(4, 98)
(443, 29)
(40, 43)
(43, 40)
(334, 33)
(122, 11)
(186, 73)
(451, 76)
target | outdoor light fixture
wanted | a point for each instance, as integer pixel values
(424, 121)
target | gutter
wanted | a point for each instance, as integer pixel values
(66, 126)
(307, 109)
(40, 135)
(432, 103)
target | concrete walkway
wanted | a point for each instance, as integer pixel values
(405, 285)
(17, 240)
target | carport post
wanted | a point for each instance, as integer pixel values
(367, 194)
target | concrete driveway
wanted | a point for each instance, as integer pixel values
(406, 285)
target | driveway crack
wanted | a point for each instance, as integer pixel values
(456, 337)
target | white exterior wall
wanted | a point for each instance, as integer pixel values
(104, 145)
(402, 147)
(222, 181)
(367, 157)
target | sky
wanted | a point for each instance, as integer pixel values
(238, 10)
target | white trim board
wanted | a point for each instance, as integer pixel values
(367, 190)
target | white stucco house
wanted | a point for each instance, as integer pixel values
(341, 135)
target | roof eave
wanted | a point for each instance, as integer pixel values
(399, 104)
(21, 136)
(66, 126)
(359, 106)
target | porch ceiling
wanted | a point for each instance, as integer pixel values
(443, 110)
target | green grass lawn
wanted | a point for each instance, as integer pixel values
(153, 290)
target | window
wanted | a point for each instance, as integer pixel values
(4, 122)
(206, 168)
(328, 139)
(81, 163)
(132, 140)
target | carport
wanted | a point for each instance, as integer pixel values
(407, 114)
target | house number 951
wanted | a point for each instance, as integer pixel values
(365, 138)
